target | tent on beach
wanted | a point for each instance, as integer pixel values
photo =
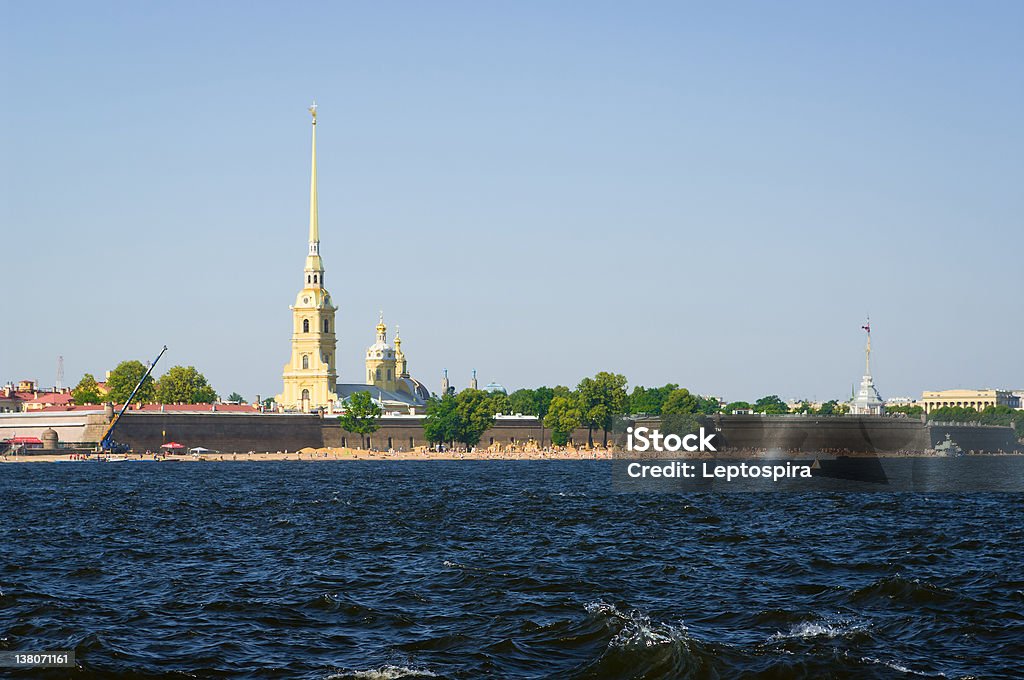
(172, 447)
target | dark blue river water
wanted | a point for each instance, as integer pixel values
(499, 569)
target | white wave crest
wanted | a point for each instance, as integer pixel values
(387, 672)
(900, 668)
(636, 630)
(811, 629)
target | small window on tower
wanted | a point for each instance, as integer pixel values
(305, 325)
(327, 325)
(389, 374)
(378, 374)
(314, 278)
(307, 278)
(305, 361)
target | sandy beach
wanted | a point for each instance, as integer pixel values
(324, 454)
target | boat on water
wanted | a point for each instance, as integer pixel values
(947, 448)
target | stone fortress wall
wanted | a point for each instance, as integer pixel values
(263, 432)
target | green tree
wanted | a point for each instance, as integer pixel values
(771, 405)
(361, 416)
(531, 402)
(954, 414)
(474, 410)
(829, 408)
(602, 399)
(681, 423)
(542, 397)
(500, 403)
(562, 418)
(990, 415)
(804, 407)
(462, 417)
(125, 377)
(236, 397)
(649, 400)
(441, 426)
(914, 411)
(87, 391)
(521, 401)
(734, 406)
(708, 405)
(680, 401)
(184, 385)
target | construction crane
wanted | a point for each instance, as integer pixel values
(107, 443)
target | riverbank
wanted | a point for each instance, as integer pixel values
(343, 454)
(324, 454)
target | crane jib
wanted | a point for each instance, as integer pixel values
(107, 442)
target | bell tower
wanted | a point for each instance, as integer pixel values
(310, 377)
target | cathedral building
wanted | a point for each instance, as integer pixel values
(311, 376)
(387, 377)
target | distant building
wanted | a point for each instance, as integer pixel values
(901, 402)
(46, 400)
(976, 399)
(12, 401)
(797, 404)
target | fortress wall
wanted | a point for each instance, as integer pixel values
(229, 432)
(261, 432)
(71, 426)
(407, 433)
(976, 437)
(857, 434)
(824, 433)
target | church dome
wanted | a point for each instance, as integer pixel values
(495, 387)
(380, 350)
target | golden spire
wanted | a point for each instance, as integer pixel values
(314, 228)
(382, 330)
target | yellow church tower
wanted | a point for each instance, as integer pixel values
(310, 378)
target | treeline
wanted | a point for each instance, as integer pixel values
(179, 385)
(990, 415)
(594, 404)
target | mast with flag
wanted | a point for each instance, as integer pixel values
(867, 350)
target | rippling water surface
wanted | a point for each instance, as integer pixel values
(500, 569)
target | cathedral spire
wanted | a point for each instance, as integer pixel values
(314, 228)
(314, 271)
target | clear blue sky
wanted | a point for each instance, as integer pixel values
(712, 194)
